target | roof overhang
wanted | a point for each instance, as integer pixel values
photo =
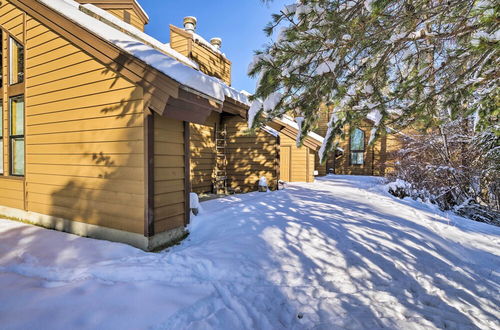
(292, 132)
(160, 91)
(113, 4)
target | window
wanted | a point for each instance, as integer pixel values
(16, 62)
(357, 147)
(16, 114)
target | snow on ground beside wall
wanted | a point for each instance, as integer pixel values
(337, 253)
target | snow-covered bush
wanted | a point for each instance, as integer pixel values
(453, 167)
(399, 188)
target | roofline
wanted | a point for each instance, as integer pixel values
(292, 133)
(133, 3)
(158, 87)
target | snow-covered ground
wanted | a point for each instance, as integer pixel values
(338, 253)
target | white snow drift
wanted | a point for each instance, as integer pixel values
(338, 253)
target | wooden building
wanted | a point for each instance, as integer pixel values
(225, 155)
(354, 155)
(96, 120)
(296, 164)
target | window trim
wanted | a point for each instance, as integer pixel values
(357, 151)
(7, 91)
(10, 40)
(17, 137)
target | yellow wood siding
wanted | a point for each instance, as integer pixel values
(203, 153)
(134, 18)
(343, 163)
(84, 136)
(301, 161)
(12, 193)
(12, 20)
(169, 172)
(179, 43)
(118, 9)
(250, 156)
(285, 162)
(12, 190)
(210, 62)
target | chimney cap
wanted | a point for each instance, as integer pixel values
(190, 23)
(216, 42)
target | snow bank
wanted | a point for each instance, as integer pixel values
(337, 253)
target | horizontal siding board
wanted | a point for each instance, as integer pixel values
(11, 184)
(90, 203)
(108, 103)
(100, 135)
(169, 173)
(99, 123)
(168, 211)
(133, 187)
(123, 173)
(168, 186)
(13, 201)
(94, 218)
(169, 223)
(86, 148)
(117, 197)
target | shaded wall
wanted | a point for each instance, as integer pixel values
(169, 174)
(203, 154)
(250, 156)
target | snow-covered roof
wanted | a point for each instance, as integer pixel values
(205, 43)
(270, 130)
(290, 122)
(138, 34)
(148, 50)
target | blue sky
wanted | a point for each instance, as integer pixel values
(238, 22)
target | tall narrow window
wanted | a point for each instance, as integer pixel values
(357, 147)
(16, 112)
(1, 137)
(16, 62)
(1, 58)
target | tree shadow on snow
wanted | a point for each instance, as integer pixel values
(416, 274)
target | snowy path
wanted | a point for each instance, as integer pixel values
(339, 253)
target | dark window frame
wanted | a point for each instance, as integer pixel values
(16, 137)
(10, 40)
(7, 92)
(357, 151)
